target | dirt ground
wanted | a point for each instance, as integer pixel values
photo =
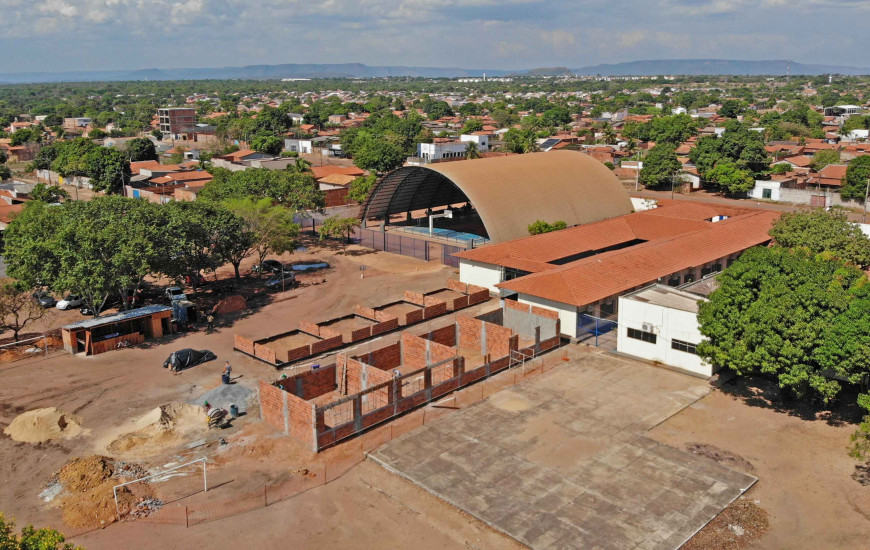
(799, 457)
(110, 390)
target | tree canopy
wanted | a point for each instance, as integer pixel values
(140, 149)
(540, 226)
(293, 189)
(829, 232)
(855, 182)
(660, 166)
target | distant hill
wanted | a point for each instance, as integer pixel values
(289, 70)
(715, 67)
(549, 71)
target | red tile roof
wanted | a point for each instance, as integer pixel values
(175, 177)
(152, 165)
(323, 171)
(597, 277)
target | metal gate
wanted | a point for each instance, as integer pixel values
(818, 201)
(597, 331)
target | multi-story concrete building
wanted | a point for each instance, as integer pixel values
(177, 121)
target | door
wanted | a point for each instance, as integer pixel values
(817, 201)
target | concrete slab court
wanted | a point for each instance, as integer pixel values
(562, 461)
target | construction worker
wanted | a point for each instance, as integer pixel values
(210, 320)
(225, 377)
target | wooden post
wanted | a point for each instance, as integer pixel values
(265, 499)
(186, 518)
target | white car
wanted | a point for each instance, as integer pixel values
(70, 301)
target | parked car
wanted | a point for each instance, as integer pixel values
(175, 293)
(71, 301)
(44, 298)
(277, 283)
(85, 310)
(270, 266)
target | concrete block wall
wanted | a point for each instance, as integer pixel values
(309, 328)
(243, 344)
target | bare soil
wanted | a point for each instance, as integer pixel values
(799, 454)
(739, 525)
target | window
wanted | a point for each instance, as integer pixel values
(608, 308)
(641, 335)
(766, 193)
(688, 278)
(687, 347)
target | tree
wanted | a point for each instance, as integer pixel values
(108, 169)
(855, 182)
(140, 149)
(96, 133)
(731, 108)
(338, 228)
(297, 191)
(272, 225)
(520, 141)
(660, 166)
(541, 226)
(471, 151)
(17, 307)
(377, 155)
(5, 172)
(471, 126)
(157, 134)
(31, 538)
(269, 144)
(436, 109)
(730, 178)
(25, 135)
(823, 158)
(361, 187)
(775, 310)
(3, 156)
(44, 193)
(300, 165)
(829, 232)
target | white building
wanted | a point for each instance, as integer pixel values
(430, 152)
(660, 324)
(299, 145)
(766, 189)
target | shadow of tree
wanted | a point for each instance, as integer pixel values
(761, 391)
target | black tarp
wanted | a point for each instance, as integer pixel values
(186, 358)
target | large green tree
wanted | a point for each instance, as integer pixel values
(377, 154)
(31, 538)
(829, 232)
(660, 167)
(295, 190)
(857, 176)
(140, 149)
(270, 226)
(775, 309)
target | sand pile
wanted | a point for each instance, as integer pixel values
(161, 427)
(227, 394)
(40, 425)
(88, 498)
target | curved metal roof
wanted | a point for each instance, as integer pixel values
(509, 192)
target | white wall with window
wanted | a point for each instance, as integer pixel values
(660, 324)
(766, 190)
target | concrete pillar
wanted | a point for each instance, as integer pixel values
(357, 412)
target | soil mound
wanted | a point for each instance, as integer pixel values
(40, 425)
(227, 394)
(162, 426)
(88, 499)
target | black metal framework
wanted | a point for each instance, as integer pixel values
(410, 188)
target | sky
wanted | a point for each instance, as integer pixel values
(59, 35)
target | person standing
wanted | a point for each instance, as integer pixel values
(210, 321)
(225, 377)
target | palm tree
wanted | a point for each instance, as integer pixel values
(301, 165)
(471, 151)
(530, 145)
(608, 134)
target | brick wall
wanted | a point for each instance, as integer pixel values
(310, 328)
(298, 353)
(265, 353)
(413, 317)
(548, 313)
(336, 197)
(477, 294)
(384, 317)
(392, 323)
(445, 335)
(431, 301)
(272, 405)
(243, 344)
(513, 304)
(385, 358)
(460, 303)
(360, 334)
(413, 298)
(326, 345)
(328, 333)
(367, 312)
(469, 332)
(499, 340)
(300, 416)
(413, 351)
(457, 285)
(315, 383)
(436, 309)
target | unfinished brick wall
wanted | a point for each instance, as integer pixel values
(367, 312)
(384, 317)
(457, 285)
(391, 323)
(413, 317)
(272, 405)
(477, 294)
(243, 344)
(414, 298)
(436, 309)
(500, 341)
(362, 377)
(413, 351)
(296, 354)
(326, 345)
(310, 328)
(310, 384)
(438, 353)
(491, 339)
(327, 333)
(445, 335)
(265, 353)
(386, 358)
(459, 303)
(300, 418)
(469, 332)
(361, 334)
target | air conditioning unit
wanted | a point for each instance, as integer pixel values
(648, 327)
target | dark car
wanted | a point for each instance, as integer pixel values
(45, 299)
(277, 283)
(270, 266)
(85, 310)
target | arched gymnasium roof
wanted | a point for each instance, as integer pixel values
(509, 192)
